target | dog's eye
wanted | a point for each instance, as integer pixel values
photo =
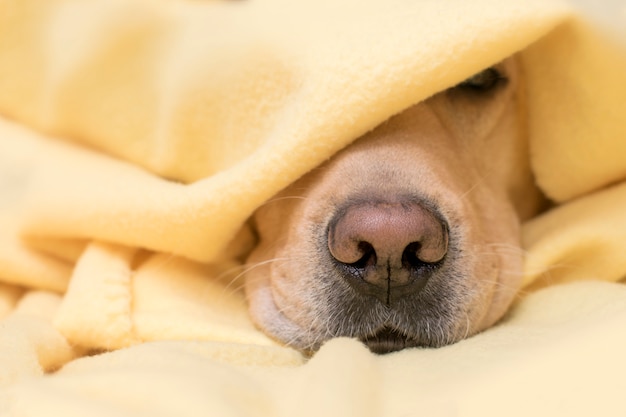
(483, 81)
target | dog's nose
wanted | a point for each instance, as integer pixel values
(387, 249)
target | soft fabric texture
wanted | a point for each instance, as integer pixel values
(137, 137)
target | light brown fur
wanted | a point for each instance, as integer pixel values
(462, 152)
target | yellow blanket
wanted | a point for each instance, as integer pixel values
(137, 136)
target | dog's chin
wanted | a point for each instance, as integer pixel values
(386, 339)
(389, 339)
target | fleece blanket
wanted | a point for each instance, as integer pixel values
(137, 137)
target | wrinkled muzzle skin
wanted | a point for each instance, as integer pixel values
(462, 155)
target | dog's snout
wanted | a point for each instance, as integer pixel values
(389, 247)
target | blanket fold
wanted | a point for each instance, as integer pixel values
(175, 100)
(138, 136)
(577, 140)
(528, 365)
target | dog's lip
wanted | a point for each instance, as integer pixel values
(388, 339)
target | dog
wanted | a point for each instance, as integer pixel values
(408, 237)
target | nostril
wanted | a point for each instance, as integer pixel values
(368, 258)
(410, 259)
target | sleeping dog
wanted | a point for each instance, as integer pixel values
(411, 235)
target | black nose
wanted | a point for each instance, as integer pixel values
(387, 249)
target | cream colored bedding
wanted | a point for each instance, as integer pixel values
(136, 137)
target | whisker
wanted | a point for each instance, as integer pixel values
(250, 267)
(506, 252)
(467, 326)
(472, 188)
(281, 198)
(230, 288)
(544, 272)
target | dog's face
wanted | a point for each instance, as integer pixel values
(409, 236)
